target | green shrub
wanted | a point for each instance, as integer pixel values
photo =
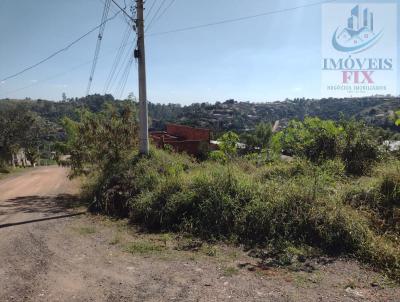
(153, 208)
(125, 180)
(314, 139)
(298, 202)
(206, 203)
(379, 198)
(360, 150)
(321, 140)
(283, 170)
(390, 189)
(218, 156)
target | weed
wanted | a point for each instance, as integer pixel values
(143, 247)
(86, 230)
(299, 203)
(209, 250)
(230, 271)
(350, 284)
(116, 239)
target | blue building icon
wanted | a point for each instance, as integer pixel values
(358, 34)
(360, 20)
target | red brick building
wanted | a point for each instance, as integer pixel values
(193, 141)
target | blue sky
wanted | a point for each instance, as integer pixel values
(264, 59)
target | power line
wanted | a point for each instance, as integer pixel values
(162, 13)
(155, 15)
(128, 55)
(118, 57)
(151, 8)
(56, 75)
(123, 10)
(238, 19)
(125, 75)
(98, 44)
(113, 10)
(58, 51)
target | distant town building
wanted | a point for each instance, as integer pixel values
(193, 141)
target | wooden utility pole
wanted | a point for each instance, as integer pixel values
(141, 56)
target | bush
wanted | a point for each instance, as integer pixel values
(125, 180)
(380, 197)
(218, 156)
(390, 189)
(297, 202)
(314, 139)
(360, 150)
(318, 141)
(283, 170)
(206, 203)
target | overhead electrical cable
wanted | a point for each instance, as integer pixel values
(123, 10)
(118, 57)
(98, 44)
(83, 64)
(114, 10)
(155, 15)
(58, 51)
(150, 10)
(162, 13)
(233, 20)
(121, 70)
(125, 75)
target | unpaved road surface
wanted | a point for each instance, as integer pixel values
(47, 254)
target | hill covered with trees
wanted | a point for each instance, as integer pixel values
(234, 115)
(231, 115)
(243, 116)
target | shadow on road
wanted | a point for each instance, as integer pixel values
(44, 206)
(6, 225)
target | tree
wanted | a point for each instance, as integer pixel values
(263, 136)
(360, 150)
(34, 139)
(64, 97)
(102, 139)
(228, 144)
(314, 139)
(18, 129)
(250, 140)
(397, 118)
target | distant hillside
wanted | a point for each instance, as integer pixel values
(229, 115)
(242, 116)
(54, 111)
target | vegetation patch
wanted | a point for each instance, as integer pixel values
(318, 201)
(144, 247)
(297, 202)
(230, 271)
(85, 230)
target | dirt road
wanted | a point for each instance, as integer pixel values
(49, 255)
(31, 195)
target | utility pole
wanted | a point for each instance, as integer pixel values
(141, 56)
